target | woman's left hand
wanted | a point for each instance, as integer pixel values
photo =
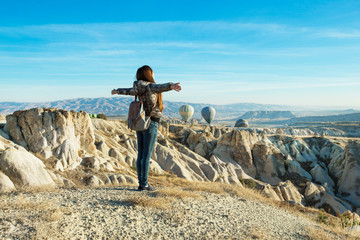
(114, 91)
(176, 87)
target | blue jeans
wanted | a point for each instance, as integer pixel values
(146, 141)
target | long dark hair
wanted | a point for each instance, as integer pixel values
(146, 73)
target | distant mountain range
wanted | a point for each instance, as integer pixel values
(254, 115)
(118, 106)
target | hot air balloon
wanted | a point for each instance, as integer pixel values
(186, 112)
(241, 123)
(208, 114)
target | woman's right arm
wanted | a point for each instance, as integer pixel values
(123, 91)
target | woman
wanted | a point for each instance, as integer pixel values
(150, 94)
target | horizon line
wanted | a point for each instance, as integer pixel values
(355, 108)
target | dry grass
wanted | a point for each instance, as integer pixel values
(45, 188)
(325, 233)
(210, 187)
(40, 219)
(161, 199)
(322, 229)
(177, 192)
(48, 211)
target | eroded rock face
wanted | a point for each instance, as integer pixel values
(24, 169)
(269, 162)
(349, 181)
(236, 146)
(52, 132)
(316, 196)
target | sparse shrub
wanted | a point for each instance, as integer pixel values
(347, 219)
(249, 183)
(102, 116)
(322, 217)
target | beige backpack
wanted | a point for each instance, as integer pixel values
(136, 117)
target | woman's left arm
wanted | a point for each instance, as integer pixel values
(159, 88)
(123, 91)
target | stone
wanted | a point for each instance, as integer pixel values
(269, 162)
(200, 149)
(130, 179)
(6, 185)
(121, 179)
(67, 153)
(102, 147)
(294, 167)
(107, 167)
(49, 132)
(131, 161)
(92, 181)
(217, 133)
(311, 188)
(210, 173)
(112, 179)
(24, 169)
(321, 199)
(290, 193)
(155, 167)
(236, 146)
(269, 191)
(91, 162)
(117, 155)
(320, 175)
(348, 183)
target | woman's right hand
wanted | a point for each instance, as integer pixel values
(114, 91)
(176, 87)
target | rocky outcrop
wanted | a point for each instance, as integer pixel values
(6, 185)
(50, 133)
(318, 197)
(268, 161)
(348, 168)
(235, 147)
(285, 164)
(24, 169)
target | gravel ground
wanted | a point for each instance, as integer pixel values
(106, 213)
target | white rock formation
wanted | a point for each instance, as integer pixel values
(290, 193)
(349, 181)
(320, 175)
(24, 169)
(53, 133)
(316, 196)
(294, 167)
(236, 146)
(6, 185)
(269, 162)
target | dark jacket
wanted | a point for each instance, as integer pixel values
(147, 93)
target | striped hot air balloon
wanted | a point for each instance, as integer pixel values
(208, 113)
(186, 112)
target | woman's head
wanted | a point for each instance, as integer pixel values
(145, 73)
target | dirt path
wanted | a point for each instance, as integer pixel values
(110, 213)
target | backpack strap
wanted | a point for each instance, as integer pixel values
(136, 96)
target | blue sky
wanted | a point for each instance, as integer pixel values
(277, 52)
